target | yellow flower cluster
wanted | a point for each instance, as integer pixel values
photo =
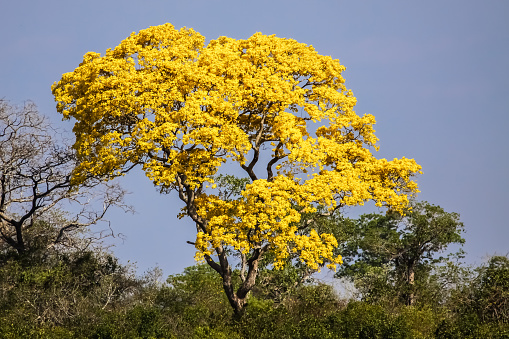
(265, 214)
(181, 109)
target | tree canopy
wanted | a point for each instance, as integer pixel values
(274, 107)
(399, 249)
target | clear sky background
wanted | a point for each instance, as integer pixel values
(435, 74)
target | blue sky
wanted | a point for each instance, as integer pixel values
(435, 74)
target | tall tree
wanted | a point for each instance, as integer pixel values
(387, 251)
(35, 181)
(273, 107)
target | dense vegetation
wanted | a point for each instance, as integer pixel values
(63, 292)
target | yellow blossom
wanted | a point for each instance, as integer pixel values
(181, 110)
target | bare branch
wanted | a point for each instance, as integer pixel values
(35, 180)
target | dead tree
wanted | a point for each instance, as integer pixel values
(35, 181)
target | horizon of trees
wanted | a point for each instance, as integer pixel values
(63, 283)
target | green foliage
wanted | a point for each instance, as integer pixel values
(479, 307)
(194, 299)
(229, 186)
(196, 294)
(192, 305)
(492, 294)
(390, 257)
(57, 292)
(134, 322)
(46, 293)
(362, 320)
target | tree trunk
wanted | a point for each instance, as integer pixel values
(411, 283)
(236, 298)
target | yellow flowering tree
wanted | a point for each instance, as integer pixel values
(273, 107)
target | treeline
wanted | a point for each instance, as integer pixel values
(57, 280)
(88, 294)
